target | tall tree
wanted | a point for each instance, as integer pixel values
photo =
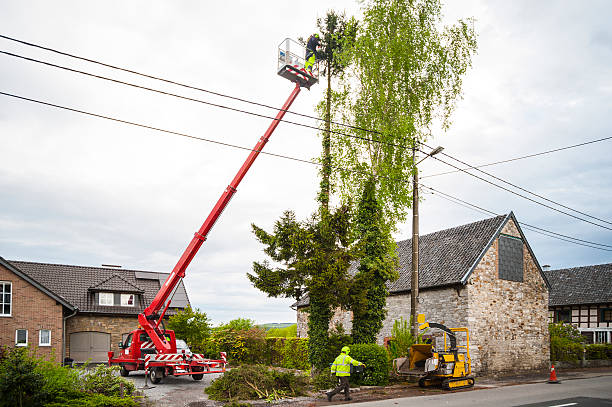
(406, 77)
(377, 265)
(337, 39)
(311, 257)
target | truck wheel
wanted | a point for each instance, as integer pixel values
(124, 372)
(198, 376)
(157, 375)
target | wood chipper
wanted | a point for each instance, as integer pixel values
(449, 367)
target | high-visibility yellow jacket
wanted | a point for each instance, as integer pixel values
(342, 365)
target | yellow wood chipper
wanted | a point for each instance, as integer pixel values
(449, 367)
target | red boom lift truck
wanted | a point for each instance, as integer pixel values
(153, 348)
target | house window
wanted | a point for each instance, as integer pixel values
(601, 337)
(44, 337)
(564, 315)
(21, 337)
(127, 300)
(107, 299)
(5, 299)
(510, 258)
(605, 315)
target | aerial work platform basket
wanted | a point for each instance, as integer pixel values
(291, 64)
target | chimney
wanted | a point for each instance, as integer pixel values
(546, 267)
(112, 266)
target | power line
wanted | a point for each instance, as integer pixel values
(521, 188)
(193, 87)
(263, 152)
(537, 229)
(523, 196)
(520, 158)
(316, 128)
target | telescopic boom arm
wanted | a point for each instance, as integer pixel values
(150, 319)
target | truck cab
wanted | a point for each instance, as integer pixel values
(134, 349)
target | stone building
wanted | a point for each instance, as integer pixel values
(72, 311)
(582, 296)
(483, 276)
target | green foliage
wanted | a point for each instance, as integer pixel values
(599, 351)
(314, 258)
(193, 326)
(338, 338)
(377, 265)
(406, 76)
(565, 331)
(323, 380)
(104, 380)
(28, 381)
(374, 356)
(256, 382)
(287, 332)
(239, 324)
(21, 383)
(295, 354)
(402, 338)
(563, 349)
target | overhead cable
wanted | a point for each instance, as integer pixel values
(176, 133)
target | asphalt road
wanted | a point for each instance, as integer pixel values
(589, 392)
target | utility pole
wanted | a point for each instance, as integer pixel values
(414, 280)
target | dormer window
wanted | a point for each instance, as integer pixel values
(128, 300)
(107, 299)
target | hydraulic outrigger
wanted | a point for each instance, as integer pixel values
(160, 357)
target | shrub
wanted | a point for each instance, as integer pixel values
(193, 326)
(21, 383)
(337, 340)
(104, 380)
(374, 356)
(256, 382)
(565, 331)
(295, 354)
(563, 349)
(599, 351)
(324, 380)
(402, 338)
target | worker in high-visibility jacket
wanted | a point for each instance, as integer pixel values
(342, 369)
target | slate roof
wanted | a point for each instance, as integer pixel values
(73, 283)
(580, 285)
(446, 257)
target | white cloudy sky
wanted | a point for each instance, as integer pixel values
(85, 191)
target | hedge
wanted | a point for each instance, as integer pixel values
(375, 358)
(567, 351)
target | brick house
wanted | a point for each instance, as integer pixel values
(483, 276)
(74, 311)
(582, 296)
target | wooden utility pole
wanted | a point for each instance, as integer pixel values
(414, 280)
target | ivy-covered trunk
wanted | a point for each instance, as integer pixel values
(318, 325)
(376, 267)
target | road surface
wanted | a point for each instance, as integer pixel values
(586, 392)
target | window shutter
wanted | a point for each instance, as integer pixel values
(510, 258)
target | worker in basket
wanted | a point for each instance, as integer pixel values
(341, 368)
(311, 52)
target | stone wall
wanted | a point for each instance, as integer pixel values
(508, 320)
(33, 310)
(116, 326)
(345, 318)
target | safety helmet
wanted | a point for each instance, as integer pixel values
(316, 35)
(346, 350)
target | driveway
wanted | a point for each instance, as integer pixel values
(173, 391)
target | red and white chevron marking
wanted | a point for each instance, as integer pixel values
(180, 358)
(147, 345)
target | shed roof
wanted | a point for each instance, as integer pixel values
(580, 285)
(74, 282)
(447, 257)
